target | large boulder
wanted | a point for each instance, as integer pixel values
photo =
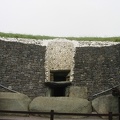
(14, 101)
(105, 104)
(60, 104)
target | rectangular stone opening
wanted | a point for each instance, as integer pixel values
(60, 75)
(59, 80)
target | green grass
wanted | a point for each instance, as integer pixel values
(13, 35)
(112, 39)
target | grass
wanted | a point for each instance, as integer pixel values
(112, 39)
(13, 35)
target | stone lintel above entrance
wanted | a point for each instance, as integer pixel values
(58, 84)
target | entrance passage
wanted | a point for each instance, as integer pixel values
(59, 80)
(58, 91)
(60, 75)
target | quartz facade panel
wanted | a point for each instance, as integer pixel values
(59, 56)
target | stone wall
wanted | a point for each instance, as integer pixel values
(98, 68)
(22, 67)
(25, 64)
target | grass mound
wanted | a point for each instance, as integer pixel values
(13, 35)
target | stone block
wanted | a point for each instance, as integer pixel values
(79, 92)
(105, 104)
(14, 101)
(60, 104)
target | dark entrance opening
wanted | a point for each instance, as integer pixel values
(58, 91)
(60, 75)
(59, 81)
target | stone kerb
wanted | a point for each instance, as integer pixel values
(14, 101)
(61, 105)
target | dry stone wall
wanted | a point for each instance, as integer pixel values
(22, 67)
(25, 64)
(98, 68)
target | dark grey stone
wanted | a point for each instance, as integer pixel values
(97, 68)
(22, 68)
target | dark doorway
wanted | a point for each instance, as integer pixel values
(58, 79)
(60, 75)
(58, 91)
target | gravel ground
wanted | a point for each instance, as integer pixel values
(43, 118)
